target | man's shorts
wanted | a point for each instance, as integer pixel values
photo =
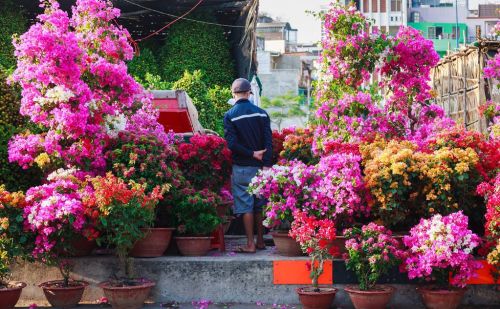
(244, 202)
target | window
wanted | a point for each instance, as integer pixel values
(434, 33)
(395, 5)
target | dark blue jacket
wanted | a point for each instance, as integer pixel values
(247, 128)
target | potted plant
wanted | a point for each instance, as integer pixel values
(315, 237)
(331, 189)
(14, 242)
(197, 218)
(439, 249)
(55, 214)
(145, 159)
(123, 208)
(371, 252)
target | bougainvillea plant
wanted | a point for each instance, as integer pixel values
(371, 252)
(298, 145)
(315, 237)
(75, 85)
(205, 161)
(491, 191)
(331, 189)
(122, 209)
(440, 248)
(15, 241)
(55, 214)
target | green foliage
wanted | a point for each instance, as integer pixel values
(11, 22)
(154, 82)
(195, 46)
(143, 64)
(196, 88)
(219, 96)
(196, 214)
(283, 107)
(14, 241)
(12, 175)
(10, 102)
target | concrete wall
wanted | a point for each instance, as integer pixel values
(227, 279)
(280, 82)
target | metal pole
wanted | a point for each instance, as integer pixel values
(456, 21)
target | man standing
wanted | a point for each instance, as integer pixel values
(247, 129)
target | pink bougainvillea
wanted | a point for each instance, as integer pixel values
(439, 246)
(75, 85)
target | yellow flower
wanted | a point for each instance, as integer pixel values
(42, 159)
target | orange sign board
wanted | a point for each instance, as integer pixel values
(295, 272)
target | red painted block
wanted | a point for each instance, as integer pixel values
(295, 272)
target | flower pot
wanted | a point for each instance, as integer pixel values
(83, 247)
(63, 297)
(435, 298)
(321, 299)
(10, 296)
(286, 245)
(154, 244)
(193, 246)
(378, 298)
(127, 297)
(339, 242)
(222, 208)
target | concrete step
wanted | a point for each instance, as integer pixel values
(223, 278)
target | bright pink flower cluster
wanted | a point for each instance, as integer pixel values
(491, 191)
(353, 118)
(442, 244)
(75, 84)
(53, 210)
(374, 242)
(330, 189)
(406, 69)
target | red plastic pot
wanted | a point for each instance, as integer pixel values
(377, 298)
(434, 298)
(63, 297)
(286, 245)
(154, 244)
(10, 296)
(321, 299)
(127, 297)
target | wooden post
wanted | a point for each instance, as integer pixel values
(449, 88)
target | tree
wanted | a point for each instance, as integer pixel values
(283, 107)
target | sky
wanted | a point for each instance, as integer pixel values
(294, 12)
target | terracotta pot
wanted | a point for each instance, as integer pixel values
(10, 296)
(193, 246)
(441, 298)
(286, 245)
(63, 297)
(316, 300)
(222, 208)
(154, 244)
(339, 242)
(127, 297)
(83, 247)
(378, 298)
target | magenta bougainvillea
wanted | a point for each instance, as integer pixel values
(440, 246)
(75, 86)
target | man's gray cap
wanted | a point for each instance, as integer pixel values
(241, 85)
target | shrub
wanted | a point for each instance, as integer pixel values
(196, 214)
(143, 64)
(12, 22)
(219, 96)
(11, 174)
(195, 46)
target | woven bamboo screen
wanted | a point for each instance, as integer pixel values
(460, 86)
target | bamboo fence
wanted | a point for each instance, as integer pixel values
(460, 86)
